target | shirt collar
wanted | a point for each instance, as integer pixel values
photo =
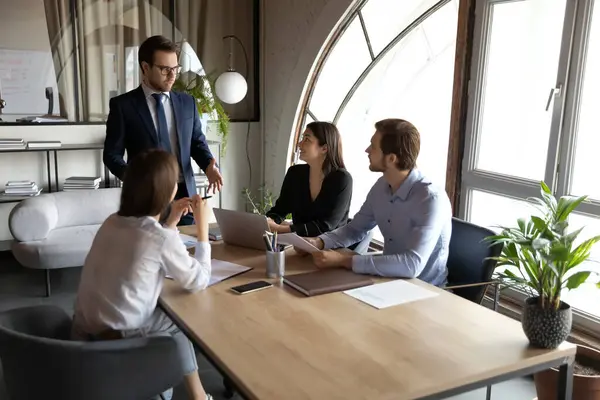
(148, 91)
(413, 177)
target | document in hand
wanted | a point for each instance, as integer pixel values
(296, 241)
(382, 295)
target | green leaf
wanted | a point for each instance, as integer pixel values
(566, 205)
(545, 188)
(577, 279)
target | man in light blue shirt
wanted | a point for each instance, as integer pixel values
(414, 215)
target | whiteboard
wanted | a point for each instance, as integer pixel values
(24, 76)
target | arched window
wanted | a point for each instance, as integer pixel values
(392, 59)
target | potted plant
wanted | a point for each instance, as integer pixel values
(544, 259)
(586, 377)
(259, 205)
(202, 88)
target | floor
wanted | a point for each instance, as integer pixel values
(23, 287)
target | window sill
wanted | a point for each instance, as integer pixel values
(514, 309)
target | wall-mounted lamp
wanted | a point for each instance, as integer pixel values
(231, 86)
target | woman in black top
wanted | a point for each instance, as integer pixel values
(317, 193)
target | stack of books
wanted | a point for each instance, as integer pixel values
(12, 144)
(74, 183)
(21, 189)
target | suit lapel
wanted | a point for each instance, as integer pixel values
(177, 112)
(144, 112)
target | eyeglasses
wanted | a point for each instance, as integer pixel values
(164, 70)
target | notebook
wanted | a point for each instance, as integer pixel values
(326, 281)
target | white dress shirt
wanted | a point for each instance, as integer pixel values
(169, 116)
(124, 271)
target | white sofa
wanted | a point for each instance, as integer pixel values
(56, 230)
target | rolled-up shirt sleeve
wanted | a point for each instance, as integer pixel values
(428, 221)
(192, 273)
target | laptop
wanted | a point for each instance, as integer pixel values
(241, 228)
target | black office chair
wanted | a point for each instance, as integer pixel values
(469, 268)
(40, 362)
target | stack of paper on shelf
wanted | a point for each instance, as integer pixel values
(74, 183)
(21, 188)
(12, 144)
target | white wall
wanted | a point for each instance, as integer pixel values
(15, 166)
(294, 34)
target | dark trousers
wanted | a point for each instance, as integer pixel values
(187, 219)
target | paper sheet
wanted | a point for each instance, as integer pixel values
(221, 270)
(188, 241)
(296, 241)
(382, 295)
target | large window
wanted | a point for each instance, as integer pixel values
(67, 58)
(532, 117)
(394, 59)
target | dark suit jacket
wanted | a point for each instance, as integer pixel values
(130, 127)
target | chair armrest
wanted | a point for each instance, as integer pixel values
(472, 285)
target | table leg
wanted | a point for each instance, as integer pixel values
(565, 381)
(48, 170)
(56, 169)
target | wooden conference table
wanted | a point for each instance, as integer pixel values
(279, 344)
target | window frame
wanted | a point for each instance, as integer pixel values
(562, 138)
(375, 58)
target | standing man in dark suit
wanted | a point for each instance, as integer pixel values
(152, 116)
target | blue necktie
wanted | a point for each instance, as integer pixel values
(163, 129)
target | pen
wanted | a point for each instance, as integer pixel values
(206, 197)
(267, 242)
(275, 247)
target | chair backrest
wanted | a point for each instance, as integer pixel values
(468, 261)
(38, 362)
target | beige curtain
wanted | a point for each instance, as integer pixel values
(105, 56)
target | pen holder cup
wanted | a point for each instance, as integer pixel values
(275, 264)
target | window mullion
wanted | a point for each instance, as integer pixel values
(568, 139)
(557, 134)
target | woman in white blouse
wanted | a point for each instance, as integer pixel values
(132, 253)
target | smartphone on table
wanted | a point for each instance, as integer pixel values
(251, 287)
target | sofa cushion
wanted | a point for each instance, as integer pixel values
(33, 219)
(86, 207)
(63, 248)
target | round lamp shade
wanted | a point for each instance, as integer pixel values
(231, 87)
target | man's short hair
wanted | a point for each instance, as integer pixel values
(401, 138)
(152, 45)
(148, 184)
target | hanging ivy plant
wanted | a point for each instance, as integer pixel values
(202, 88)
